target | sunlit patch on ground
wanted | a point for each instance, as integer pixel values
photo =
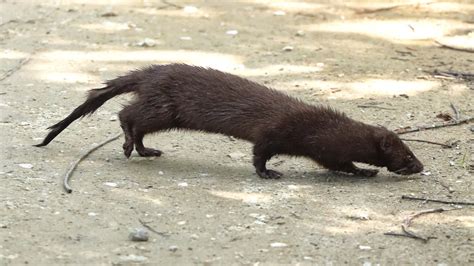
(251, 198)
(106, 26)
(12, 54)
(365, 88)
(400, 30)
(47, 64)
(140, 195)
(274, 70)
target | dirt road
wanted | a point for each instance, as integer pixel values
(371, 61)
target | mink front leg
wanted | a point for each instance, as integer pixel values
(351, 168)
(261, 154)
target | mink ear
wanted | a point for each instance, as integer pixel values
(386, 142)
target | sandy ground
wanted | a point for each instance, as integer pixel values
(203, 194)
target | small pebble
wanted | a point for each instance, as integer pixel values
(190, 9)
(183, 184)
(147, 42)
(181, 222)
(232, 32)
(185, 38)
(361, 247)
(25, 165)
(24, 123)
(133, 258)
(288, 48)
(300, 33)
(109, 14)
(173, 248)
(138, 234)
(278, 245)
(279, 13)
(92, 214)
(110, 184)
(236, 155)
(359, 216)
(113, 118)
(292, 187)
(160, 173)
(194, 236)
(426, 173)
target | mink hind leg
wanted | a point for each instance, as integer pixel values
(141, 149)
(349, 167)
(136, 124)
(126, 125)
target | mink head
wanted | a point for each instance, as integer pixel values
(396, 156)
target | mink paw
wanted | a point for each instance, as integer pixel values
(367, 172)
(269, 174)
(147, 152)
(127, 149)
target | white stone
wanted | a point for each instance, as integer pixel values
(110, 184)
(183, 184)
(25, 165)
(232, 32)
(190, 9)
(133, 258)
(279, 13)
(278, 245)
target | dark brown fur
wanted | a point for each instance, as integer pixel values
(179, 96)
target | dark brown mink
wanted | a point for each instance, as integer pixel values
(179, 96)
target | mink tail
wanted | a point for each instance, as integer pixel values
(96, 98)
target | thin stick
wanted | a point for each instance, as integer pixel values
(451, 75)
(408, 221)
(411, 129)
(387, 8)
(455, 110)
(436, 200)
(10, 72)
(152, 229)
(168, 4)
(374, 106)
(403, 234)
(76, 163)
(430, 142)
(413, 235)
(469, 50)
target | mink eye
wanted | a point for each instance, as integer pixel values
(409, 158)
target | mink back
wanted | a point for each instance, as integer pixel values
(213, 101)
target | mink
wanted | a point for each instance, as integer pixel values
(184, 97)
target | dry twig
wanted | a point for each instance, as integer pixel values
(408, 221)
(374, 106)
(445, 45)
(411, 129)
(76, 163)
(451, 75)
(387, 8)
(168, 4)
(438, 201)
(430, 142)
(10, 72)
(455, 110)
(152, 229)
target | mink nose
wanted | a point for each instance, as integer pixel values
(416, 167)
